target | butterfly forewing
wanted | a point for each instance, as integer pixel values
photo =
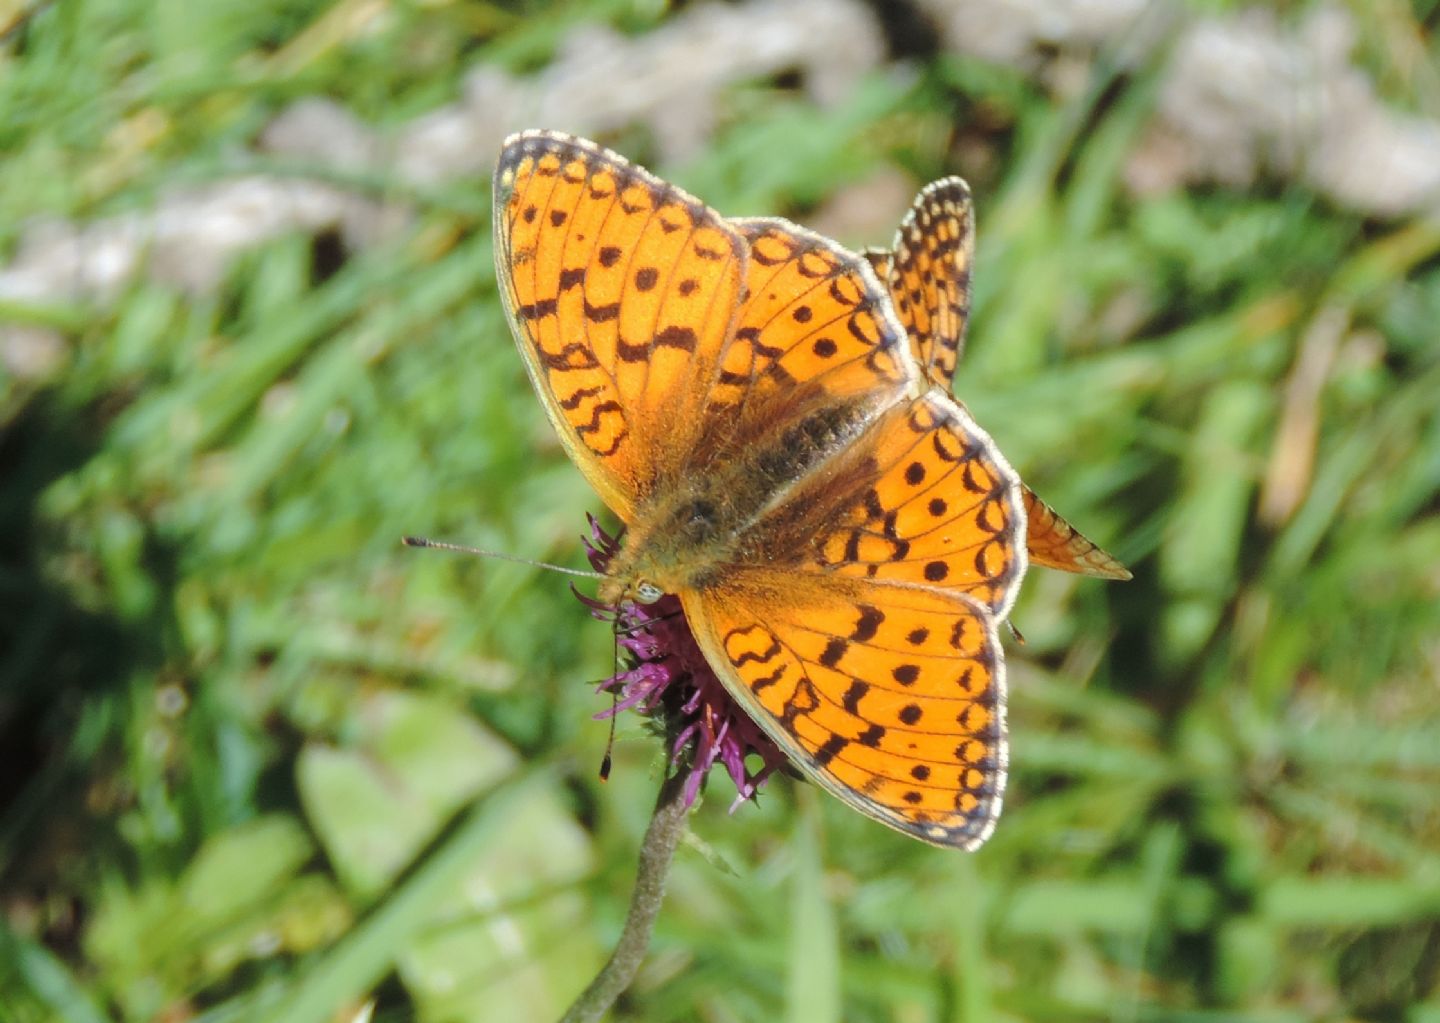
(621, 290)
(892, 697)
(814, 321)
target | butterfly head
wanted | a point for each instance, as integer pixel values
(629, 589)
(616, 591)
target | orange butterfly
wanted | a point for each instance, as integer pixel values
(787, 459)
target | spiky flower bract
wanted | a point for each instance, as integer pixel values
(668, 681)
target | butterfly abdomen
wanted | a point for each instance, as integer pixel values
(786, 456)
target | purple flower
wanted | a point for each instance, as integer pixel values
(670, 682)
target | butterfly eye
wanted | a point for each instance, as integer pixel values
(648, 592)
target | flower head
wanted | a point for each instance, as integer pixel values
(669, 681)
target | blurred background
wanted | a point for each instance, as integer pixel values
(258, 762)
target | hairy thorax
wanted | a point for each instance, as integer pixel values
(753, 496)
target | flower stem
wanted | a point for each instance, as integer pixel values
(667, 824)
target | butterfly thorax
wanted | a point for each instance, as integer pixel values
(672, 546)
(742, 501)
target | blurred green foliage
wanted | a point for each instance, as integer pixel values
(262, 763)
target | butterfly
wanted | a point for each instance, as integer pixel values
(769, 414)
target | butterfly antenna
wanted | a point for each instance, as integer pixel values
(420, 541)
(606, 761)
(1019, 636)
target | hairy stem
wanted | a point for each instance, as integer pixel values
(667, 824)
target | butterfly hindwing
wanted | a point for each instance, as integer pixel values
(1054, 543)
(621, 290)
(928, 273)
(890, 696)
(922, 497)
(858, 626)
